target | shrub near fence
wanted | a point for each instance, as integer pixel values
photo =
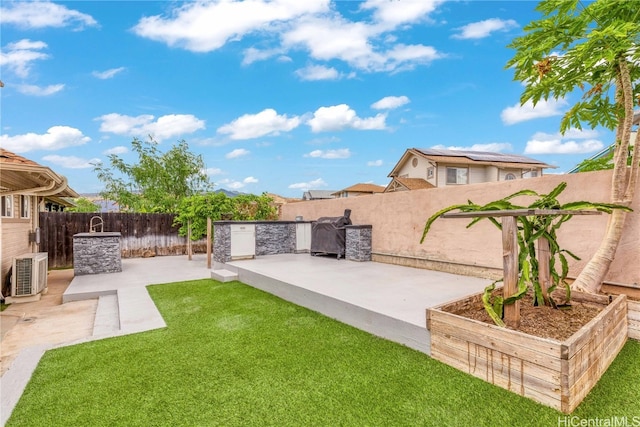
(143, 234)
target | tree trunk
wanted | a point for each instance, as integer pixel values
(622, 190)
(591, 277)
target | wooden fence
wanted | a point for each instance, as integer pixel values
(143, 235)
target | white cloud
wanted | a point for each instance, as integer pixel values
(375, 163)
(340, 117)
(207, 26)
(308, 185)
(228, 183)
(520, 113)
(71, 162)
(315, 27)
(19, 56)
(390, 102)
(266, 122)
(574, 141)
(252, 55)
(34, 90)
(238, 152)
(57, 137)
(169, 126)
(237, 185)
(107, 74)
(120, 149)
(580, 133)
(318, 72)
(492, 147)
(330, 38)
(482, 29)
(342, 153)
(391, 14)
(213, 171)
(234, 185)
(42, 14)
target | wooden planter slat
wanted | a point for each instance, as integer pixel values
(535, 368)
(583, 336)
(510, 342)
(633, 308)
(582, 360)
(554, 373)
(489, 363)
(583, 385)
(515, 377)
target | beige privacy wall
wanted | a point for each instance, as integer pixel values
(398, 220)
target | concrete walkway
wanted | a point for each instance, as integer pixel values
(385, 300)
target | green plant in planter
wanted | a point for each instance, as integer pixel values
(530, 229)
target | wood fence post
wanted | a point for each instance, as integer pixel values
(189, 240)
(510, 263)
(208, 242)
(544, 272)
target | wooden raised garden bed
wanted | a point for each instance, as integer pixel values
(555, 373)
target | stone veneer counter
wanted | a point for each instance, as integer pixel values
(95, 253)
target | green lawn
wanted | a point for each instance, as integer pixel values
(235, 356)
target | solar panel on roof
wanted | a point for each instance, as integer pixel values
(481, 156)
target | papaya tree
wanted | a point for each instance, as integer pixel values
(592, 49)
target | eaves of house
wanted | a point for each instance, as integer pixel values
(19, 175)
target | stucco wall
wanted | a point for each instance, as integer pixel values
(398, 220)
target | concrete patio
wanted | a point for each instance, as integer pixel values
(386, 300)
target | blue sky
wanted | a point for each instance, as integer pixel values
(280, 96)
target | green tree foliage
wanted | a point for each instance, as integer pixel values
(82, 204)
(599, 164)
(158, 182)
(574, 47)
(592, 48)
(196, 209)
(602, 163)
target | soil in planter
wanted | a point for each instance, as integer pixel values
(544, 322)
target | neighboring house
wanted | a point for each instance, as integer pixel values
(359, 190)
(428, 168)
(26, 188)
(317, 195)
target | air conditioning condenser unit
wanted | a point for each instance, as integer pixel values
(29, 274)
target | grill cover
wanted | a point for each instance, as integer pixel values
(328, 234)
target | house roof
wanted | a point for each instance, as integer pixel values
(470, 157)
(400, 184)
(318, 194)
(21, 175)
(480, 156)
(363, 188)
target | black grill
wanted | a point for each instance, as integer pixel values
(328, 234)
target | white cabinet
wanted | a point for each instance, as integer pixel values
(243, 241)
(303, 237)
